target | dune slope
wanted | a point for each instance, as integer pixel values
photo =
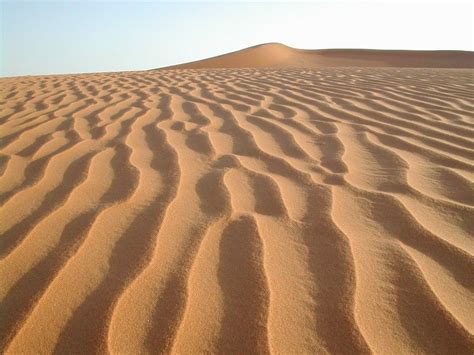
(277, 55)
(238, 211)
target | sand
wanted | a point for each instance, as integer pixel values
(277, 55)
(286, 211)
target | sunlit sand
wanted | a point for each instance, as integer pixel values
(270, 200)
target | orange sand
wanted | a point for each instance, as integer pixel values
(291, 211)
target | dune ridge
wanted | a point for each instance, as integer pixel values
(254, 210)
(278, 55)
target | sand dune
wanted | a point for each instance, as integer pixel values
(277, 55)
(238, 211)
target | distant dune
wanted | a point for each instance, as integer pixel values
(241, 211)
(276, 55)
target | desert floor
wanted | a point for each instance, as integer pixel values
(238, 211)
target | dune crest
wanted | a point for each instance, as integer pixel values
(255, 210)
(277, 55)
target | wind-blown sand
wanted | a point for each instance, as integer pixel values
(304, 210)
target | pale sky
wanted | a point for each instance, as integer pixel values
(54, 37)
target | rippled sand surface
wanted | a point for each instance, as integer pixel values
(238, 211)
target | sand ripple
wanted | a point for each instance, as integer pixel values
(238, 210)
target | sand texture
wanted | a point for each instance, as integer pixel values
(285, 211)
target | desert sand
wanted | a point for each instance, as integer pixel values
(317, 205)
(277, 55)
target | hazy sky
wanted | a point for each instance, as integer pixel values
(38, 37)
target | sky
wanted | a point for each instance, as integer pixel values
(71, 36)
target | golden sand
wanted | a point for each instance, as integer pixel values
(304, 210)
